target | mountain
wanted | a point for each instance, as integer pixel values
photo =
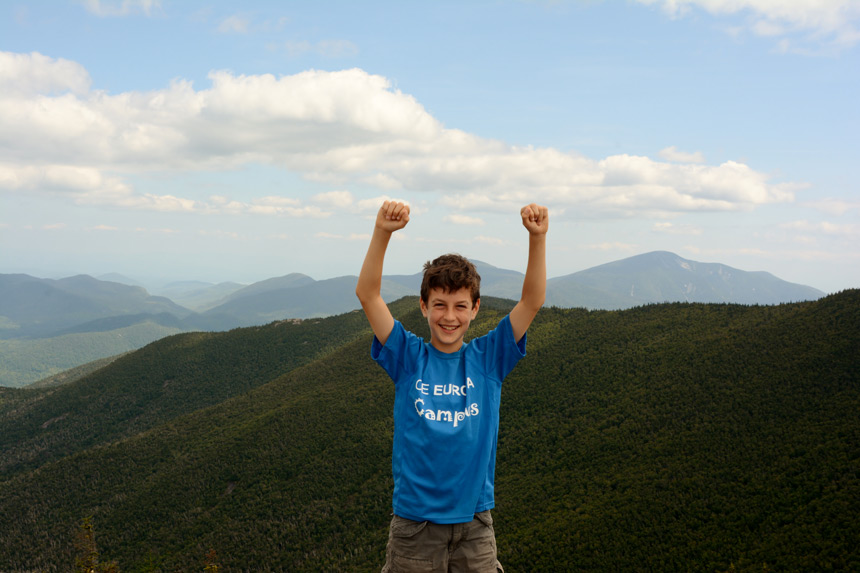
(48, 326)
(661, 276)
(644, 279)
(198, 295)
(297, 297)
(702, 437)
(43, 309)
(31, 307)
(26, 361)
(118, 278)
(73, 374)
(277, 283)
(496, 282)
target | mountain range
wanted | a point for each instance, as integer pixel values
(47, 326)
(666, 437)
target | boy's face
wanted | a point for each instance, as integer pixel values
(449, 315)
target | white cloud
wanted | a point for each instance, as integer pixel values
(611, 246)
(340, 127)
(219, 233)
(673, 154)
(824, 228)
(336, 48)
(277, 201)
(34, 73)
(833, 206)
(672, 229)
(159, 231)
(234, 24)
(463, 220)
(308, 211)
(495, 241)
(125, 7)
(337, 199)
(363, 237)
(372, 204)
(832, 23)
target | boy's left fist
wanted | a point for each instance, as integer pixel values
(535, 218)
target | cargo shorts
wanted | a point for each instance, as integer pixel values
(422, 546)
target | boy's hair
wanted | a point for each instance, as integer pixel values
(449, 273)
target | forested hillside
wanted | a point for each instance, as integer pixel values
(694, 437)
(28, 361)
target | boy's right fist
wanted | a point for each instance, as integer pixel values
(392, 216)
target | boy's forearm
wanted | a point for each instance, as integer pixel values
(370, 278)
(534, 283)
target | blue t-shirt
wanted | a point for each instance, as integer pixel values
(446, 421)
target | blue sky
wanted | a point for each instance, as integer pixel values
(240, 141)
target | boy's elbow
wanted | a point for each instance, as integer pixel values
(365, 295)
(534, 300)
(361, 294)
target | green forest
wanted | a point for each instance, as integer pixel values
(668, 437)
(24, 362)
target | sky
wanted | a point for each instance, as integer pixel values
(224, 141)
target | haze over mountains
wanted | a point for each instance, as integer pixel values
(47, 326)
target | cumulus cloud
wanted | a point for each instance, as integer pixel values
(35, 74)
(809, 22)
(340, 127)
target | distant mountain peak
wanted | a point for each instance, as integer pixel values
(663, 276)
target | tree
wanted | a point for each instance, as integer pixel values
(87, 560)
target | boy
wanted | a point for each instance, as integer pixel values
(446, 405)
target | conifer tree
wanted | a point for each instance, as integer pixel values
(87, 560)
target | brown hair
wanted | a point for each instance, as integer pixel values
(449, 273)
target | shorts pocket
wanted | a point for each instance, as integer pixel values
(402, 527)
(407, 548)
(485, 517)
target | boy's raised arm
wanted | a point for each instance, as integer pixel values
(391, 217)
(536, 221)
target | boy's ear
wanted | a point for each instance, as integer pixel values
(475, 308)
(423, 306)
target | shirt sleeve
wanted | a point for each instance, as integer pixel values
(398, 352)
(501, 351)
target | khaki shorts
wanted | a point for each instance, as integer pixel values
(422, 546)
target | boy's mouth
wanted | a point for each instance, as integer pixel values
(449, 327)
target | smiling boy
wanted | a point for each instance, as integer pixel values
(446, 404)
